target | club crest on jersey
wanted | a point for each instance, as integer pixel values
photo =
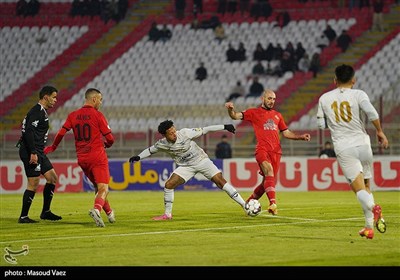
(38, 168)
(35, 123)
(269, 125)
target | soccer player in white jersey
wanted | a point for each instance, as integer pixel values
(190, 158)
(340, 110)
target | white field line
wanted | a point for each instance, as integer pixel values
(101, 235)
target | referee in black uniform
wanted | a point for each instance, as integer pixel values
(35, 127)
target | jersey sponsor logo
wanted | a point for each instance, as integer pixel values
(35, 123)
(269, 125)
(184, 157)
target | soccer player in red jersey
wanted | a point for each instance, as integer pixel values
(267, 123)
(92, 136)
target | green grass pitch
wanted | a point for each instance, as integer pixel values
(208, 229)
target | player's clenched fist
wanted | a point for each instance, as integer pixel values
(134, 158)
(230, 128)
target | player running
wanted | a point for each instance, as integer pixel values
(339, 110)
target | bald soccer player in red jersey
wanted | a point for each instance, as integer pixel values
(267, 123)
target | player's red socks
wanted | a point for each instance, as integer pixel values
(269, 187)
(107, 207)
(99, 203)
(257, 193)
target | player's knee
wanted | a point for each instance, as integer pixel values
(51, 177)
(169, 185)
(33, 183)
(219, 181)
(53, 180)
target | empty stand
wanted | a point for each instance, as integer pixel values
(161, 74)
(376, 77)
(37, 47)
(147, 83)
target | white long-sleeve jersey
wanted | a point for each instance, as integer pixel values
(342, 110)
(184, 151)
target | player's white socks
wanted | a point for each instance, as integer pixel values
(367, 203)
(232, 192)
(372, 196)
(168, 200)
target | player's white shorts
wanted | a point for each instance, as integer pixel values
(205, 167)
(355, 160)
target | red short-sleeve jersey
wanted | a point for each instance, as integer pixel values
(267, 123)
(89, 126)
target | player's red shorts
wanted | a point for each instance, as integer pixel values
(97, 172)
(271, 157)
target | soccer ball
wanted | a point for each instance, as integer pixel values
(253, 207)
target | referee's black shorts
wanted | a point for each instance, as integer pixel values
(34, 170)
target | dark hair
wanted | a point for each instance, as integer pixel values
(164, 126)
(344, 73)
(89, 91)
(47, 90)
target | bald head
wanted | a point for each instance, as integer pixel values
(268, 98)
(268, 92)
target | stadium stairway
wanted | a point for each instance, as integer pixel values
(15, 105)
(91, 61)
(303, 98)
(306, 96)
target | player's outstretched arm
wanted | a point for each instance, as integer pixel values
(293, 136)
(144, 154)
(219, 127)
(230, 128)
(59, 136)
(134, 159)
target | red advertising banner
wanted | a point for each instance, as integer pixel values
(295, 174)
(13, 178)
(311, 174)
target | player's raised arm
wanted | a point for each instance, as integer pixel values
(232, 113)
